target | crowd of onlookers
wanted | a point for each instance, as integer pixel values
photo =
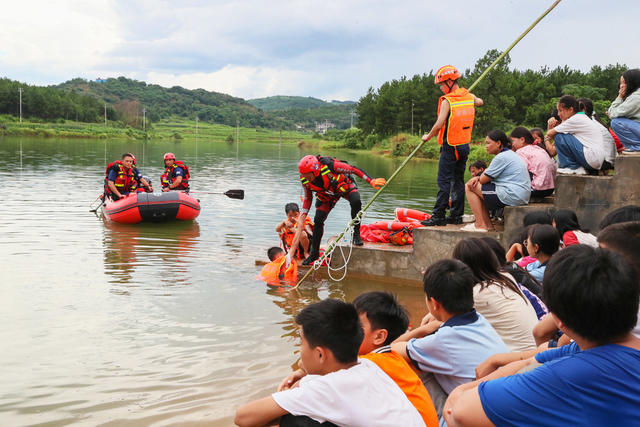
(544, 333)
(576, 142)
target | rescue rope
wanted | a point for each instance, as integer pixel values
(359, 216)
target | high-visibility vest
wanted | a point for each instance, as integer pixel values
(167, 177)
(125, 180)
(329, 184)
(460, 121)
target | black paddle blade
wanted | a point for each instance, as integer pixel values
(235, 194)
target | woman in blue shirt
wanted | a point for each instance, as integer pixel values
(505, 182)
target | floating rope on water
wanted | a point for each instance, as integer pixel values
(360, 215)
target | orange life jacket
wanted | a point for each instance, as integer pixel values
(402, 237)
(329, 184)
(167, 177)
(401, 373)
(275, 271)
(290, 234)
(125, 180)
(460, 121)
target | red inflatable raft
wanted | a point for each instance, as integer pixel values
(150, 207)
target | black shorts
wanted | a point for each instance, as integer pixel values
(490, 197)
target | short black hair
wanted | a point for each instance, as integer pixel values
(501, 137)
(384, 312)
(546, 237)
(333, 324)
(522, 132)
(537, 132)
(450, 282)
(580, 281)
(273, 251)
(291, 207)
(478, 164)
(623, 214)
(566, 220)
(536, 217)
(623, 238)
(127, 155)
(569, 101)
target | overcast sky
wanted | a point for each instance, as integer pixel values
(325, 49)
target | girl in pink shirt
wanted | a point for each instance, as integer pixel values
(541, 167)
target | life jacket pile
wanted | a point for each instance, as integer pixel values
(125, 180)
(328, 184)
(167, 177)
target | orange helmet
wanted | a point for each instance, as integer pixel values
(309, 164)
(447, 72)
(168, 156)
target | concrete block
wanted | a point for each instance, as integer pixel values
(589, 196)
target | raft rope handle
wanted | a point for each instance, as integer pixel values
(360, 214)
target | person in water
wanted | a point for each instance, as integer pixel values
(176, 174)
(456, 111)
(287, 230)
(331, 180)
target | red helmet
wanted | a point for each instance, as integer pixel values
(168, 156)
(447, 72)
(309, 164)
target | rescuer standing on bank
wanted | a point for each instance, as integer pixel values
(456, 111)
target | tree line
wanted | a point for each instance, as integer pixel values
(511, 97)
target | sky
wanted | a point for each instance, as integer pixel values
(324, 49)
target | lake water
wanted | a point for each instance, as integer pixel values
(109, 324)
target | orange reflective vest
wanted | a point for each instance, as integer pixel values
(167, 177)
(276, 271)
(125, 180)
(328, 184)
(460, 121)
(401, 373)
(290, 234)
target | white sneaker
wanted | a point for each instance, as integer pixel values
(472, 228)
(468, 218)
(566, 171)
(580, 171)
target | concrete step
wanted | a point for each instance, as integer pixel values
(590, 197)
(513, 216)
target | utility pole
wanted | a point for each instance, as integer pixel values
(353, 113)
(105, 114)
(144, 122)
(412, 104)
(20, 103)
(237, 137)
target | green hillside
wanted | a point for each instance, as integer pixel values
(279, 103)
(307, 111)
(129, 97)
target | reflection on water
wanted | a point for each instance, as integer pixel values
(119, 324)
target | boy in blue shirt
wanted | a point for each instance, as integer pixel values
(453, 339)
(592, 295)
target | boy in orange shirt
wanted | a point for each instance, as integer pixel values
(383, 320)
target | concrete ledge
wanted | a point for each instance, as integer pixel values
(588, 196)
(513, 216)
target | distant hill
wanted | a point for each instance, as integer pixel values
(160, 102)
(307, 111)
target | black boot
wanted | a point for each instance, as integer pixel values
(357, 240)
(434, 220)
(313, 256)
(316, 238)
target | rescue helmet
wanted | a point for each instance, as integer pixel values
(168, 156)
(447, 72)
(309, 164)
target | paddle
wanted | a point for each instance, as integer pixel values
(232, 194)
(101, 198)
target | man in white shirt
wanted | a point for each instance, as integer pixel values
(338, 388)
(578, 140)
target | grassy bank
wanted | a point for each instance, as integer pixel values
(166, 130)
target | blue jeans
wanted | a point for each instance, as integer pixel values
(451, 180)
(570, 152)
(628, 131)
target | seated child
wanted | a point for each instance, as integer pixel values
(476, 168)
(383, 320)
(453, 339)
(593, 381)
(542, 242)
(566, 222)
(287, 230)
(541, 167)
(339, 388)
(281, 267)
(538, 138)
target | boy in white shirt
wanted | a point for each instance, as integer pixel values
(338, 388)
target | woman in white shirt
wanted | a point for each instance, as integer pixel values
(497, 296)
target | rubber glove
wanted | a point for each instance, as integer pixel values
(378, 183)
